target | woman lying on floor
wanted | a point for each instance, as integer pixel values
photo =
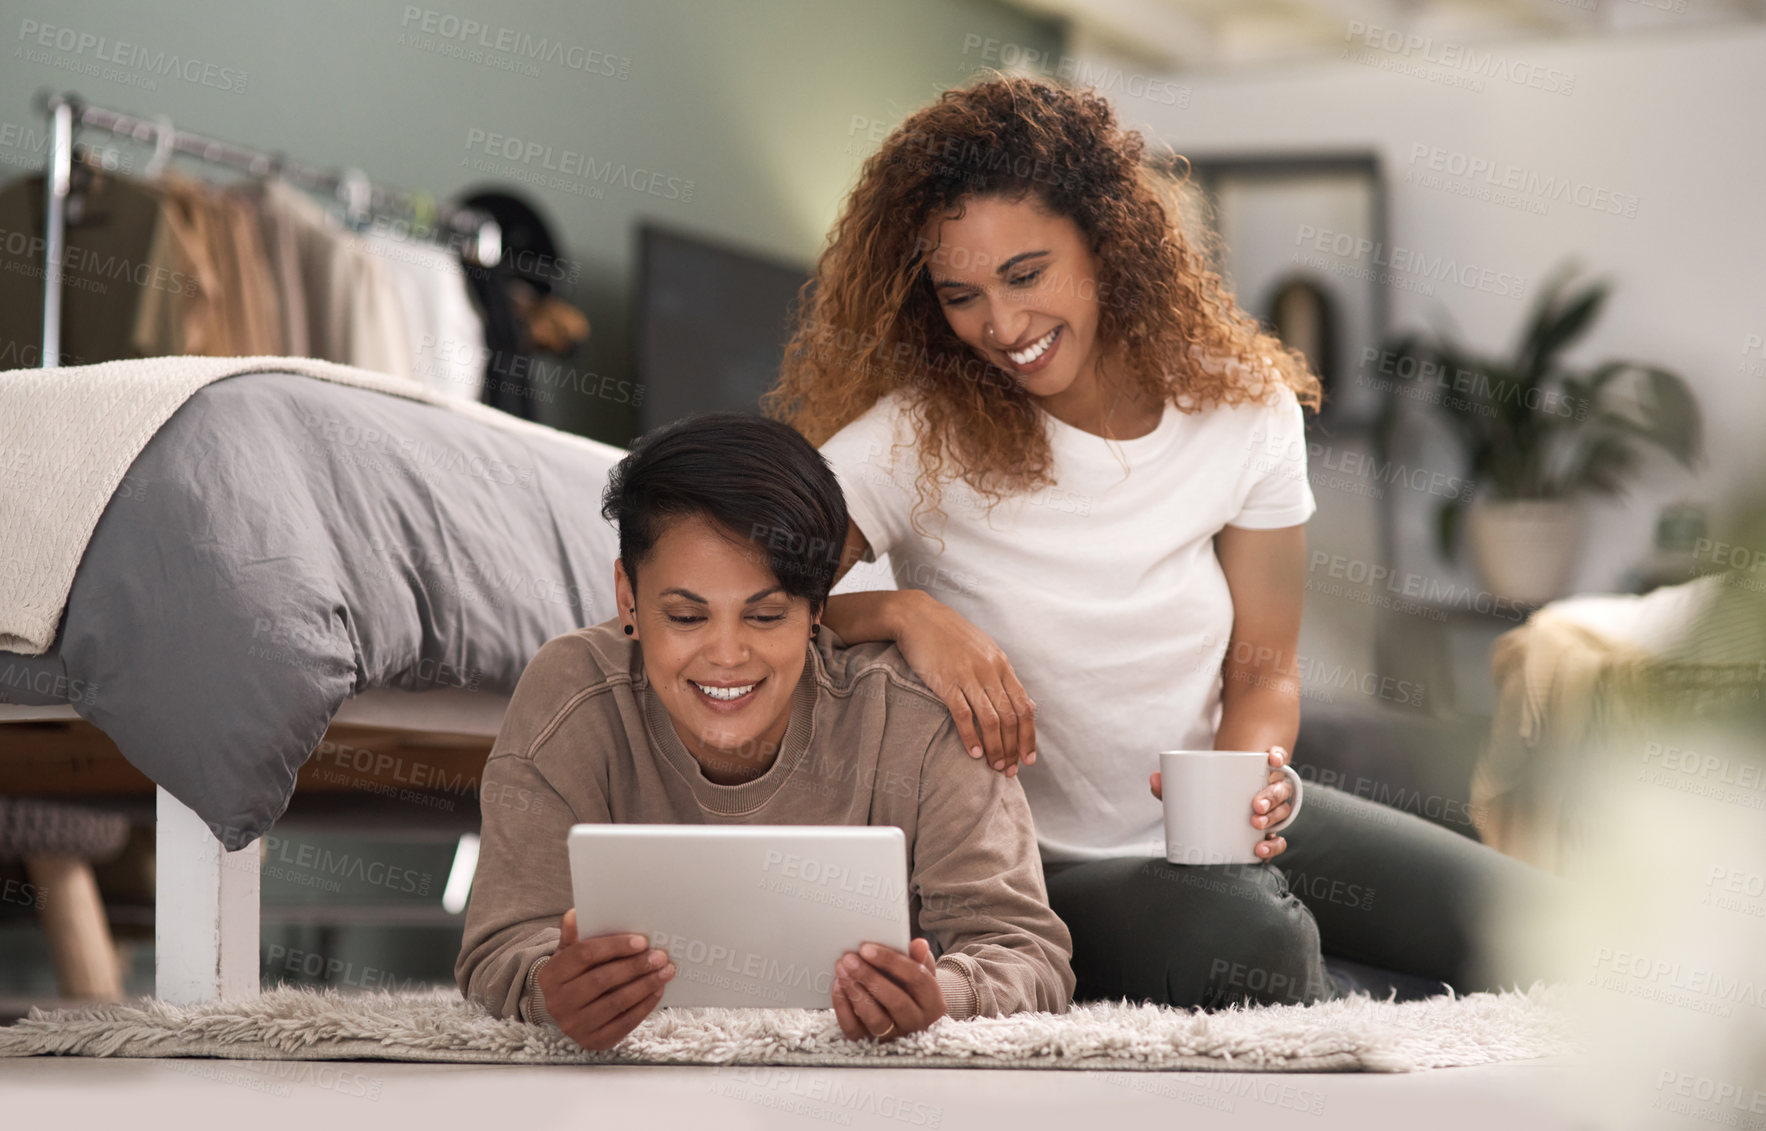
(730, 529)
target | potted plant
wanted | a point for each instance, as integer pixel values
(1535, 434)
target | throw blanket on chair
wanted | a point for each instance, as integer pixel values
(1584, 670)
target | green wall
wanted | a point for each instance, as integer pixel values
(754, 103)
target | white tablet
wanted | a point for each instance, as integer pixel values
(751, 915)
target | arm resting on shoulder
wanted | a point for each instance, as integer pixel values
(871, 615)
(962, 665)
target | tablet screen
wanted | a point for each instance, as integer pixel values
(751, 915)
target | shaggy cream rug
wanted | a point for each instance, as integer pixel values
(1351, 1034)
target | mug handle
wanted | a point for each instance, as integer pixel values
(1299, 796)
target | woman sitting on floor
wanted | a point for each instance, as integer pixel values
(730, 529)
(1088, 467)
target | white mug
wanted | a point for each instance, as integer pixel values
(1208, 804)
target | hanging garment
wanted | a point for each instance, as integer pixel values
(192, 318)
(106, 266)
(555, 326)
(363, 311)
(161, 324)
(446, 333)
(353, 315)
(530, 260)
(508, 366)
(225, 309)
(278, 231)
(260, 315)
(229, 308)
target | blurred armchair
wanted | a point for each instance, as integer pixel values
(1600, 685)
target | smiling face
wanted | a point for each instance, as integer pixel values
(724, 644)
(1018, 285)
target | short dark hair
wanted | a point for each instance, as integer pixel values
(755, 477)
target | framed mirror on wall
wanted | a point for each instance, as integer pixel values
(1274, 225)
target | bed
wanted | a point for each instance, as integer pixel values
(282, 554)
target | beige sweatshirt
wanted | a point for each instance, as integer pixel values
(586, 740)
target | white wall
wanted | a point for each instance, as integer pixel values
(1673, 118)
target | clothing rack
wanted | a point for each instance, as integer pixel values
(362, 199)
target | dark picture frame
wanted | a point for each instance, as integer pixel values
(1264, 215)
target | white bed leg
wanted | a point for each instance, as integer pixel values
(205, 919)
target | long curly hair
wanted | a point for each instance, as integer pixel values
(868, 322)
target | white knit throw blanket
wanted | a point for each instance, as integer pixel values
(68, 435)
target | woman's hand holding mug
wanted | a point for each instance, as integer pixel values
(1273, 807)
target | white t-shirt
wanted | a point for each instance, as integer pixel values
(1103, 590)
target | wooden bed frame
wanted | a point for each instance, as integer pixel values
(206, 912)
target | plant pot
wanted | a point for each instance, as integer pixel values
(1526, 549)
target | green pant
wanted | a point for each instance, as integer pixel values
(1396, 902)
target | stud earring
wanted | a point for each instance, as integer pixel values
(813, 630)
(628, 630)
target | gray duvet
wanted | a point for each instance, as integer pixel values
(284, 543)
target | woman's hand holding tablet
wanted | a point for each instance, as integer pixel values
(881, 993)
(599, 989)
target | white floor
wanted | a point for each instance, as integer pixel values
(78, 1093)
